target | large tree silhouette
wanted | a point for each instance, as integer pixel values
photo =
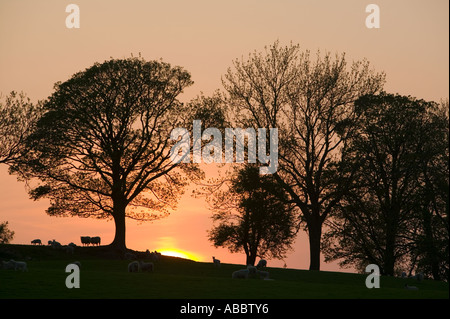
(310, 102)
(394, 213)
(102, 147)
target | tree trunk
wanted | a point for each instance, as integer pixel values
(119, 221)
(315, 234)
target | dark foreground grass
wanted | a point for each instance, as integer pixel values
(176, 278)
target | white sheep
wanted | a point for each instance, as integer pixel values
(261, 263)
(133, 266)
(216, 262)
(143, 266)
(21, 265)
(240, 274)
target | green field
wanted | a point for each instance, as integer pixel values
(175, 278)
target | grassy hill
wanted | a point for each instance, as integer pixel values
(103, 275)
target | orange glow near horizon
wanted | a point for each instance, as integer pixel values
(179, 253)
(204, 38)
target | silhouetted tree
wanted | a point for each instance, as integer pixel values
(6, 235)
(432, 242)
(102, 147)
(383, 215)
(310, 102)
(253, 216)
(17, 119)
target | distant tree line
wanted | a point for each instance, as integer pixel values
(362, 171)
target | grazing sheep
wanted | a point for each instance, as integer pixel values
(216, 262)
(240, 274)
(85, 240)
(143, 266)
(261, 263)
(133, 266)
(95, 240)
(36, 242)
(21, 265)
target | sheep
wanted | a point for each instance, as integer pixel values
(251, 270)
(143, 266)
(133, 266)
(36, 242)
(216, 262)
(261, 263)
(85, 240)
(19, 265)
(95, 240)
(240, 274)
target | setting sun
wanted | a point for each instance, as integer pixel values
(179, 253)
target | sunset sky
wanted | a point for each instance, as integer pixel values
(204, 37)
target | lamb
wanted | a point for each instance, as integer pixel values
(133, 266)
(240, 274)
(216, 262)
(146, 266)
(36, 242)
(261, 263)
(19, 265)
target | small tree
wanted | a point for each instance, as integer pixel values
(6, 235)
(254, 216)
(17, 119)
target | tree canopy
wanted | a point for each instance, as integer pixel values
(101, 148)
